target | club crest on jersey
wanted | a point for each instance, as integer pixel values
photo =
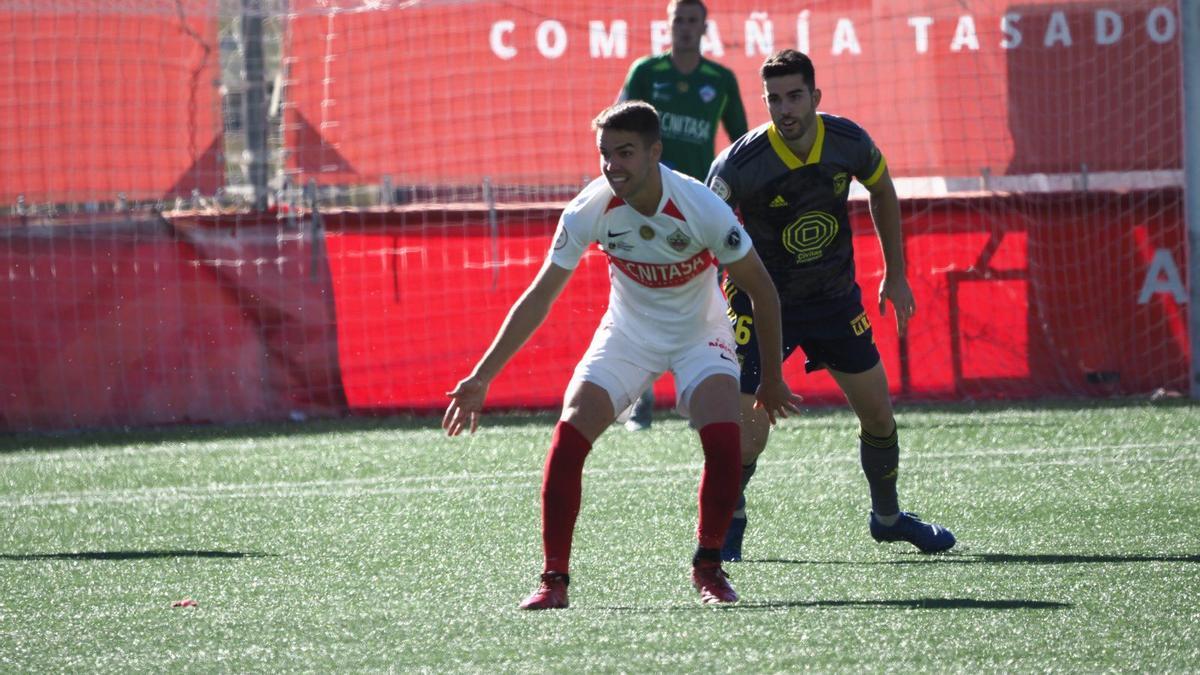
(840, 182)
(678, 240)
(733, 240)
(707, 93)
(646, 232)
(720, 188)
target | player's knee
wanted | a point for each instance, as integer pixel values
(880, 425)
(754, 441)
(751, 451)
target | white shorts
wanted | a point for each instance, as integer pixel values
(624, 367)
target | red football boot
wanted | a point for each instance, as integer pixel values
(713, 583)
(551, 593)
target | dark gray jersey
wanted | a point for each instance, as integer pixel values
(795, 209)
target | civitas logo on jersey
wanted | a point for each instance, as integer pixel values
(663, 275)
(685, 127)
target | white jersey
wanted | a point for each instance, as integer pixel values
(661, 267)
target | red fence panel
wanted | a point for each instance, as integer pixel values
(226, 319)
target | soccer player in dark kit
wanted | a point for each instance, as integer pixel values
(790, 181)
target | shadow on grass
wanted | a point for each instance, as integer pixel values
(911, 603)
(130, 555)
(991, 558)
(1067, 559)
(915, 603)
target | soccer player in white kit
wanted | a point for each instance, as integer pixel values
(662, 232)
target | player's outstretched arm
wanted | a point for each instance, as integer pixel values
(885, 214)
(527, 313)
(773, 395)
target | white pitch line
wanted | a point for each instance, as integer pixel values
(246, 445)
(249, 446)
(100, 455)
(504, 480)
(981, 452)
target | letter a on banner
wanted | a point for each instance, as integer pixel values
(1162, 277)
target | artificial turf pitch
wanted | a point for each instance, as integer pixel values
(380, 544)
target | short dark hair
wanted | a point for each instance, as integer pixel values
(675, 3)
(636, 116)
(789, 62)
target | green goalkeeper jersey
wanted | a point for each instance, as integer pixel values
(690, 107)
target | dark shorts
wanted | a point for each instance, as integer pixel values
(842, 340)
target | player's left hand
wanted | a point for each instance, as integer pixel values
(776, 399)
(466, 403)
(898, 291)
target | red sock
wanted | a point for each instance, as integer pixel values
(721, 481)
(562, 487)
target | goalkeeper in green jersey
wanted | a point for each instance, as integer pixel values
(692, 95)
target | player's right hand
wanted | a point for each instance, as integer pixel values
(776, 399)
(466, 403)
(900, 293)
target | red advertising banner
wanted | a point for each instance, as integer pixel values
(137, 324)
(1010, 306)
(451, 92)
(229, 319)
(99, 100)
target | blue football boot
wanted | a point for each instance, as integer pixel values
(928, 537)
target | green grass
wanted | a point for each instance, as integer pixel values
(380, 544)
